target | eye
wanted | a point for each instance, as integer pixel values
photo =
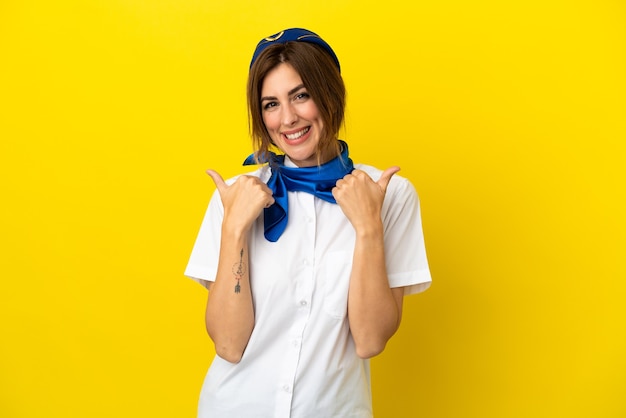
(269, 105)
(302, 96)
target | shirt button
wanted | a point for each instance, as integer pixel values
(286, 388)
(303, 302)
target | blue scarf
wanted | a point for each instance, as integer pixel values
(317, 180)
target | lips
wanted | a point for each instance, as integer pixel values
(296, 135)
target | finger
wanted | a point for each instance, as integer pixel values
(218, 180)
(266, 188)
(384, 179)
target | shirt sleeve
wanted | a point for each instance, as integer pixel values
(405, 251)
(203, 261)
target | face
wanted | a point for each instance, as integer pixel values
(291, 117)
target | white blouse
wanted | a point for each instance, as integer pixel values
(301, 359)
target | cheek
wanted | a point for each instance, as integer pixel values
(269, 119)
(313, 114)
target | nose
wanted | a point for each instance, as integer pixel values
(289, 115)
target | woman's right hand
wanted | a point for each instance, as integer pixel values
(243, 200)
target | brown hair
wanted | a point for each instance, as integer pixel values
(321, 78)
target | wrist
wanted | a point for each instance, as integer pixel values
(233, 229)
(372, 230)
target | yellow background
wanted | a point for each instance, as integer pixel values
(509, 118)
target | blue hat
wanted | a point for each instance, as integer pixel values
(293, 35)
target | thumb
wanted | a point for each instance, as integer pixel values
(384, 179)
(218, 180)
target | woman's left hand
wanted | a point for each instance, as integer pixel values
(361, 198)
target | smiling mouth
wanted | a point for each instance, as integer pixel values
(298, 134)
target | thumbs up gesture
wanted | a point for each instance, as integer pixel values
(361, 198)
(243, 200)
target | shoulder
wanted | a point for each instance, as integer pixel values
(262, 172)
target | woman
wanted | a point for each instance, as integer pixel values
(306, 259)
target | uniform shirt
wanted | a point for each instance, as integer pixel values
(301, 361)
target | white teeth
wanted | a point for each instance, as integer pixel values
(297, 134)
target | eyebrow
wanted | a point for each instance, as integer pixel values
(289, 93)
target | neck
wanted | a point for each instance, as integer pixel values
(323, 155)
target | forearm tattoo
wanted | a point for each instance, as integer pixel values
(239, 269)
